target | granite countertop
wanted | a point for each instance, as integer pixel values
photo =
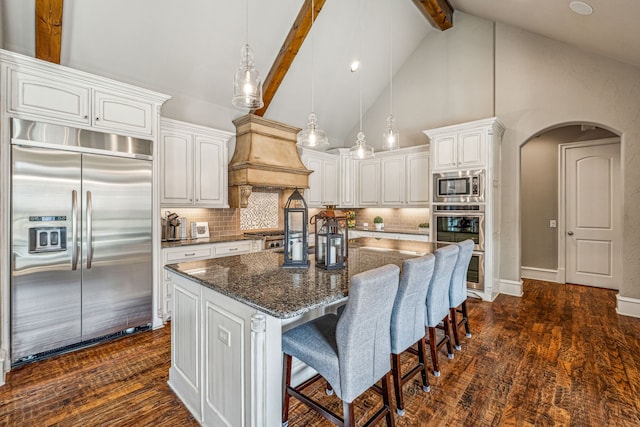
(207, 240)
(258, 280)
(393, 230)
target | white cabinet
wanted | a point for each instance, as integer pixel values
(405, 178)
(193, 165)
(465, 146)
(368, 182)
(36, 94)
(323, 182)
(196, 253)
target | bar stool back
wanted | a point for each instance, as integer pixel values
(351, 351)
(458, 291)
(407, 322)
(438, 302)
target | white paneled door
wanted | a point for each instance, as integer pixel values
(593, 215)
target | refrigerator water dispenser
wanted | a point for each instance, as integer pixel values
(47, 239)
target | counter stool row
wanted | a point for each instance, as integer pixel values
(351, 350)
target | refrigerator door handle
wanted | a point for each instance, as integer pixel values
(74, 230)
(89, 230)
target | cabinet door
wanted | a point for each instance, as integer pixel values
(176, 156)
(392, 186)
(118, 113)
(471, 148)
(314, 193)
(45, 96)
(418, 180)
(445, 152)
(210, 173)
(347, 181)
(330, 182)
(369, 182)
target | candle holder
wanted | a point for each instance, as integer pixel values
(330, 246)
(295, 232)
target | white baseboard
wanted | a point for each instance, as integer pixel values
(2, 372)
(540, 274)
(628, 306)
(511, 287)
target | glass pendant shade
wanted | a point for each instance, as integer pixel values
(361, 150)
(312, 137)
(247, 83)
(390, 137)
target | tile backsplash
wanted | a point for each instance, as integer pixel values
(396, 218)
(222, 222)
(262, 211)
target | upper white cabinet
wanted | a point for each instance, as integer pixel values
(193, 165)
(368, 182)
(71, 98)
(465, 146)
(323, 182)
(404, 180)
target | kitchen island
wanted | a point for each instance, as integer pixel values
(228, 318)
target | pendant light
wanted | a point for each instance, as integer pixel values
(312, 136)
(390, 137)
(361, 150)
(247, 84)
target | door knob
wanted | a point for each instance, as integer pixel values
(570, 233)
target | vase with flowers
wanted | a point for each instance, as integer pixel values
(351, 218)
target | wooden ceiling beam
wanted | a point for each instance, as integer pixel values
(288, 52)
(48, 30)
(438, 12)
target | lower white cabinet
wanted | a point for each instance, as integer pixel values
(353, 234)
(196, 253)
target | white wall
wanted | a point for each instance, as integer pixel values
(540, 83)
(448, 79)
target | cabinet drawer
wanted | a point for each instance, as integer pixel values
(44, 96)
(233, 248)
(189, 254)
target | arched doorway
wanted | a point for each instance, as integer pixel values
(542, 202)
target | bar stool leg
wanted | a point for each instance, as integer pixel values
(349, 418)
(397, 383)
(466, 319)
(454, 327)
(447, 337)
(433, 345)
(422, 358)
(386, 398)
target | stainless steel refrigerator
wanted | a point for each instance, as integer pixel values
(81, 238)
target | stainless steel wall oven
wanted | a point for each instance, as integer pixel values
(455, 223)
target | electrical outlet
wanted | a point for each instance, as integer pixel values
(224, 336)
(552, 223)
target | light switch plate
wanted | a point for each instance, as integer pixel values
(224, 336)
(552, 223)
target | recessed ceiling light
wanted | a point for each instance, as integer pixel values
(581, 8)
(354, 66)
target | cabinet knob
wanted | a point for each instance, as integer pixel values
(85, 116)
(97, 118)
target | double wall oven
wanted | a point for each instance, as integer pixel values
(458, 214)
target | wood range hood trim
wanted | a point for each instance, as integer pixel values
(265, 156)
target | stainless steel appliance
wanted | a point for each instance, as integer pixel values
(271, 239)
(459, 187)
(81, 237)
(455, 223)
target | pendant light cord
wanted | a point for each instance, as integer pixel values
(361, 56)
(313, 10)
(246, 35)
(390, 58)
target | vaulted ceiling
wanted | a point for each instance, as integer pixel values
(191, 49)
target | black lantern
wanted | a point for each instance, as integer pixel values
(340, 218)
(330, 245)
(295, 232)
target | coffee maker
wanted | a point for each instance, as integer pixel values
(170, 227)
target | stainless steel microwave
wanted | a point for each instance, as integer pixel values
(459, 187)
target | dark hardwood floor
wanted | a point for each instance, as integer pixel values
(560, 355)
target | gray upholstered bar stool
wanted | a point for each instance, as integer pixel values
(438, 303)
(352, 351)
(407, 322)
(458, 291)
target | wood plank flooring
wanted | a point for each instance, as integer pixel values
(559, 355)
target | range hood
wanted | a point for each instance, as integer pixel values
(266, 156)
